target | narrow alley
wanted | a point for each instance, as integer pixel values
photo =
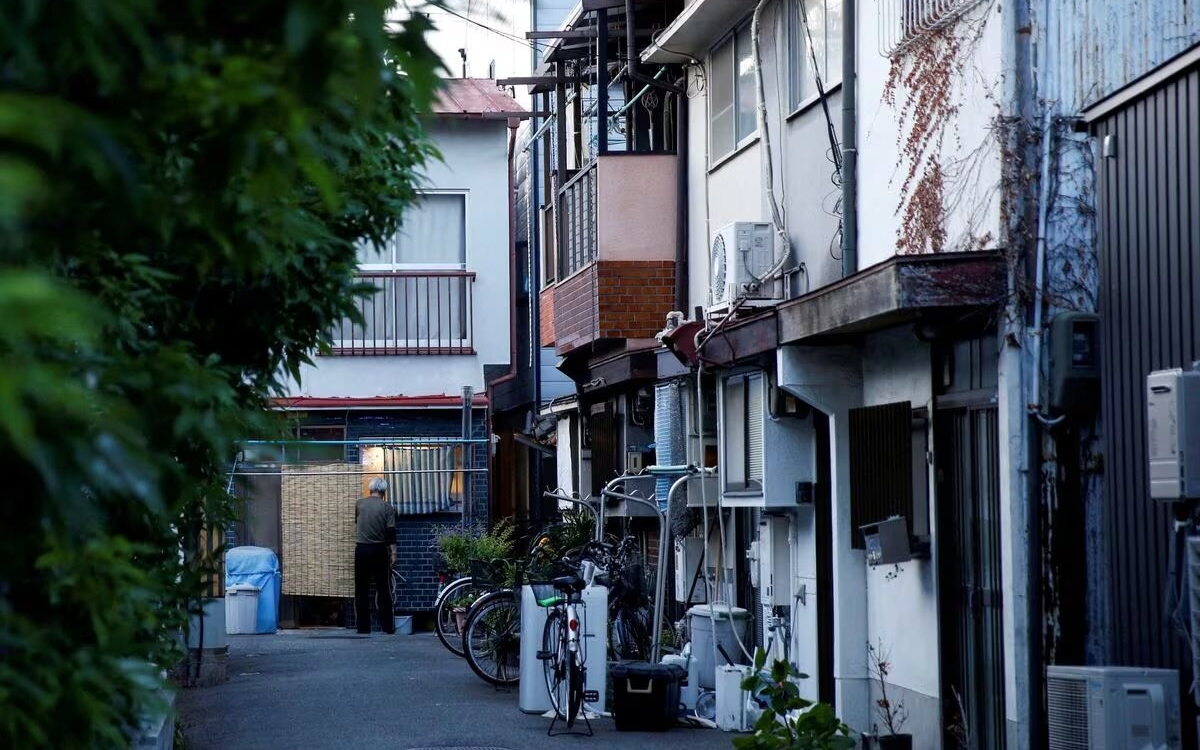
(327, 688)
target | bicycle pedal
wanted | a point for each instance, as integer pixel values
(591, 696)
(544, 655)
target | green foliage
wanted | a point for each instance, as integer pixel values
(459, 545)
(814, 726)
(182, 185)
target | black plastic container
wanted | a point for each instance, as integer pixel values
(645, 696)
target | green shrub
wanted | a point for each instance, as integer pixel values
(183, 189)
(814, 726)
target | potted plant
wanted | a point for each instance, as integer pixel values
(889, 708)
(789, 722)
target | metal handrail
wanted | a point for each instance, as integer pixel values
(577, 501)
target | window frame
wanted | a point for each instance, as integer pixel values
(459, 477)
(717, 157)
(829, 81)
(393, 266)
(746, 485)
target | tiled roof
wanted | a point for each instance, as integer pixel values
(474, 97)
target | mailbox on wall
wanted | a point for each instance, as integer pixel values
(887, 541)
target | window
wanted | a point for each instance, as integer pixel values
(825, 29)
(423, 477)
(742, 460)
(433, 234)
(422, 302)
(889, 469)
(732, 93)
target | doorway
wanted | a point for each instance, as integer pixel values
(967, 461)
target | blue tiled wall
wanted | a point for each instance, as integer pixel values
(415, 556)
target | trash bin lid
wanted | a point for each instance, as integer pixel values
(242, 588)
(719, 612)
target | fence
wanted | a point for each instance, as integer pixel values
(299, 499)
(411, 312)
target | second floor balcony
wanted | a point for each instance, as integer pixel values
(610, 269)
(411, 312)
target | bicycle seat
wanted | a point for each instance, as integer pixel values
(571, 584)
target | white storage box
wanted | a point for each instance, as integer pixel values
(241, 608)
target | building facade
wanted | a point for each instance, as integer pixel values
(404, 394)
(870, 261)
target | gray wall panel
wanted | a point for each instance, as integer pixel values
(1149, 233)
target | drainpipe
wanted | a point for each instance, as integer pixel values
(849, 141)
(681, 204)
(631, 70)
(535, 308)
(513, 124)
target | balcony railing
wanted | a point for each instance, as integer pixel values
(411, 312)
(578, 200)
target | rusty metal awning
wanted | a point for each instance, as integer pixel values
(901, 289)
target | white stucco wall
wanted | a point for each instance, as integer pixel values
(902, 609)
(733, 189)
(970, 153)
(475, 161)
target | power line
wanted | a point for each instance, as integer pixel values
(511, 37)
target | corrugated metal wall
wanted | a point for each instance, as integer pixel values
(1149, 232)
(1087, 49)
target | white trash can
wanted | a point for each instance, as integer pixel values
(241, 608)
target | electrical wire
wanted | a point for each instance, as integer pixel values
(533, 45)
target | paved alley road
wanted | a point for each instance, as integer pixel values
(331, 689)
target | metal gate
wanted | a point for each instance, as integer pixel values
(972, 637)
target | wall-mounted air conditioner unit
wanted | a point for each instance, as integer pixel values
(741, 255)
(1115, 708)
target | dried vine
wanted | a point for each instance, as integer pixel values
(923, 87)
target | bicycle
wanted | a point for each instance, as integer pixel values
(457, 594)
(464, 593)
(562, 656)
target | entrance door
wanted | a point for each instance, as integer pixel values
(968, 508)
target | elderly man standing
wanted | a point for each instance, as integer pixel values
(374, 554)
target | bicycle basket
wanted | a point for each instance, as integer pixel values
(545, 594)
(487, 572)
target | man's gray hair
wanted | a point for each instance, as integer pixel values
(378, 485)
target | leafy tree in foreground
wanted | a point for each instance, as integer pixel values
(181, 185)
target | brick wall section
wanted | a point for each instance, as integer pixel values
(415, 557)
(546, 316)
(635, 297)
(611, 300)
(575, 310)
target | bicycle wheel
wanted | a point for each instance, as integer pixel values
(445, 621)
(492, 638)
(629, 636)
(554, 649)
(575, 692)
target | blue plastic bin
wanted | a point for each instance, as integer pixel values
(257, 566)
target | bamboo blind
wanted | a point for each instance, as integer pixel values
(317, 516)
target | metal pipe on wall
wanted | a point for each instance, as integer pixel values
(849, 140)
(681, 209)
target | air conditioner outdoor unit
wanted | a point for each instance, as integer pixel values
(1112, 708)
(741, 256)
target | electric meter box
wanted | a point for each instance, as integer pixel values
(1074, 363)
(1173, 424)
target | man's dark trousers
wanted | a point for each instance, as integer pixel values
(371, 565)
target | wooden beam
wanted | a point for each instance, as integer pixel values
(568, 34)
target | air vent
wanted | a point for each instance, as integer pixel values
(1067, 711)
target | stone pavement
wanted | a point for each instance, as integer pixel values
(330, 689)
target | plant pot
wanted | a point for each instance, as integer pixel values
(460, 618)
(892, 742)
